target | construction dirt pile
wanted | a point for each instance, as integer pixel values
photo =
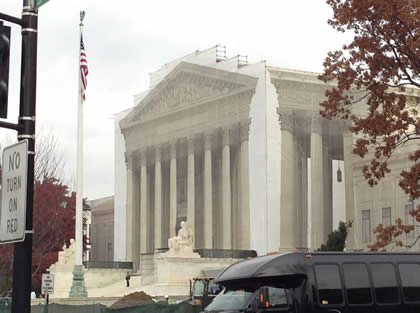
(133, 299)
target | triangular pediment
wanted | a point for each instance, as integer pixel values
(185, 86)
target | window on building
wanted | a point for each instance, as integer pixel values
(329, 285)
(385, 283)
(410, 278)
(409, 219)
(386, 216)
(366, 226)
(357, 283)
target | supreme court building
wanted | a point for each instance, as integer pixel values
(237, 150)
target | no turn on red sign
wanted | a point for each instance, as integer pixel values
(13, 192)
(47, 284)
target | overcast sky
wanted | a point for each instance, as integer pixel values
(125, 40)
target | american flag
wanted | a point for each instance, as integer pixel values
(83, 69)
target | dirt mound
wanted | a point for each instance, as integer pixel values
(133, 299)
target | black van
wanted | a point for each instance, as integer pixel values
(318, 282)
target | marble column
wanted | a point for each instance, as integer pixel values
(348, 181)
(131, 250)
(208, 195)
(288, 210)
(329, 201)
(244, 242)
(298, 194)
(304, 195)
(317, 186)
(226, 192)
(172, 191)
(191, 185)
(328, 218)
(158, 199)
(144, 214)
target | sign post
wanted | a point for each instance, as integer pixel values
(13, 193)
(47, 288)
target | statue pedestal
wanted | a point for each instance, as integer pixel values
(63, 271)
(178, 270)
(182, 252)
(172, 271)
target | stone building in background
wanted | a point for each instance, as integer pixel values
(102, 229)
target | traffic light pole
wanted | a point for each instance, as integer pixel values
(22, 262)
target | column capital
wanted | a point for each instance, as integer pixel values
(208, 139)
(172, 149)
(244, 130)
(226, 131)
(316, 124)
(129, 158)
(157, 149)
(286, 119)
(143, 157)
(190, 144)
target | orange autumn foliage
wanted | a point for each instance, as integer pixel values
(380, 69)
(53, 222)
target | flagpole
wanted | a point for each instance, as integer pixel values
(78, 288)
(79, 177)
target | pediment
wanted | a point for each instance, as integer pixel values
(186, 86)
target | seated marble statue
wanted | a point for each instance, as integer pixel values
(67, 254)
(183, 240)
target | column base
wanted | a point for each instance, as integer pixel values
(286, 250)
(78, 289)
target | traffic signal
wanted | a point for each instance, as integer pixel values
(4, 68)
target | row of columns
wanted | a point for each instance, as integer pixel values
(208, 214)
(294, 186)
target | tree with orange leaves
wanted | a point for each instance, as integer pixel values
(54, 212)
(380, 71)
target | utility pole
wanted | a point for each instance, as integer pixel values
(22, 263)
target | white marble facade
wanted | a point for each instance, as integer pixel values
(227, 147)
(237, 150)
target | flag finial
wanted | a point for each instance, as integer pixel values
(82, 16)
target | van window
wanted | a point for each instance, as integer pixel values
(329, 285)
(357, 283)
(198, 288)
(214, 289)
(277, 297)
(410, 278)
(385, 283)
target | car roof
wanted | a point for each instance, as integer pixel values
(296, 263)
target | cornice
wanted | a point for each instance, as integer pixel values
(278, 75)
